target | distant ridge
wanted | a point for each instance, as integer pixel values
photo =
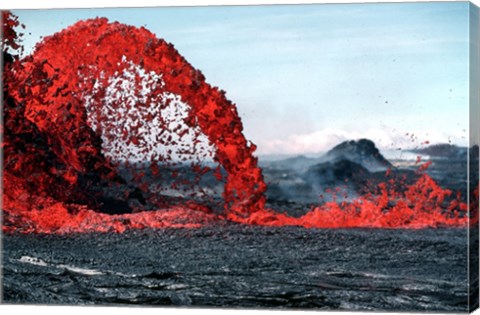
(443, 150)
(362, 152)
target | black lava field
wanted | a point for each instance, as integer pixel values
(243, 266)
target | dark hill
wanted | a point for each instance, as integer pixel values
(364, 152)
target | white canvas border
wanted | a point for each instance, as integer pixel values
(80, 310)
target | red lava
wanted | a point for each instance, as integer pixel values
(69, 115)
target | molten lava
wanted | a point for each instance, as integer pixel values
(100, 111)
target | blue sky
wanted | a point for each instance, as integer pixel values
(306, 77)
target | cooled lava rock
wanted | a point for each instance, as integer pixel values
(336, 173)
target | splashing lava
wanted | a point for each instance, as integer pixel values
(98, 96)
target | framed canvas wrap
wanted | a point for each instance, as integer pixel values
(308, 156)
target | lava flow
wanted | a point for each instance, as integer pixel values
(101, 119)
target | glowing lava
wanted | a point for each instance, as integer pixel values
(99, 95)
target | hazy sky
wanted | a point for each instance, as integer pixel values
(305, 77)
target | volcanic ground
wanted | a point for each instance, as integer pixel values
(243, 266)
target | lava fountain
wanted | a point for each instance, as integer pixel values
(101, 110)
